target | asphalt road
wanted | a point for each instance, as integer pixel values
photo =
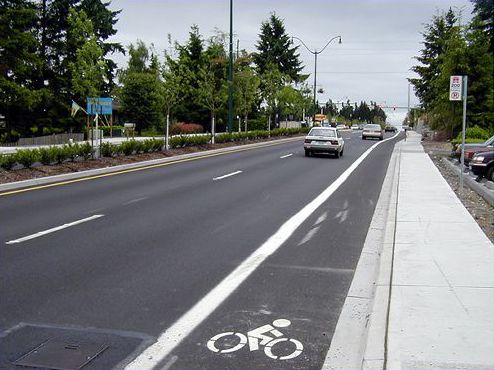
(139, 250)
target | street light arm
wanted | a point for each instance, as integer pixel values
(329, 42)
(303, 43)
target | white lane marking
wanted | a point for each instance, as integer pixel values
(134, 201)
(342, 215)
(52, 230)
(286, 156)
(309, 236)
(321, 218)
(180, 329)
(170, 363)
(227, 175)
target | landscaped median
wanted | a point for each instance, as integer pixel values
(47, 161)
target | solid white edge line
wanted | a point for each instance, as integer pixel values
(225, 176)
(174, 335)
(286, 156)
(52, 230)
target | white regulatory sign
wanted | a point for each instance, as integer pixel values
(455, 87)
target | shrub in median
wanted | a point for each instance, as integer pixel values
(7, 161)
(27, 157)
(48, 155)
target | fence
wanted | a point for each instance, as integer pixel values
(49, 139)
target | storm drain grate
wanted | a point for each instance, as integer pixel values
(62, 355)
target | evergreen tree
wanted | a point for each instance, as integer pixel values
(435, 40)
(276, 48)
(484, 13)
(19, 66)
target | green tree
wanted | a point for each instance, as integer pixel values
(276, 48)
(142, 95)
(436, 36)
(212, 90)
(88, 69)
(246, 87)
(272, 80)
(484, 14)
(19, 64)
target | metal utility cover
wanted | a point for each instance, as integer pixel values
(61, 355)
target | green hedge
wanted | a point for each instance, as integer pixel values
(60, 154)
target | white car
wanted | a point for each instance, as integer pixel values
(372, 131)
(324, 140)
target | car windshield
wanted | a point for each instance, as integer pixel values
(489, 141)
(322, 132)
(372, 127)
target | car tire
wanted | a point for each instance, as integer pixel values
(337, 154)
(307, 153)
(380, 138)
(341, 153)
(363, 137)
(489, 175)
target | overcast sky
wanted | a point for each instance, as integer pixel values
(379, 37)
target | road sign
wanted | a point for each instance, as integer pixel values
(455, 87)
(101, 106)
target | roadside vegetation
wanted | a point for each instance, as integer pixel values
(453, 47)
(54, 52)
(53, 155)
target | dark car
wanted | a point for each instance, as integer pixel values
(471, 149)
(390, 128)
(482, 165)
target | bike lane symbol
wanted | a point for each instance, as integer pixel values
(266, 336)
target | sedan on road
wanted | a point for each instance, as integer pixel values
(482, 165)
(372, 131)
(324, 140)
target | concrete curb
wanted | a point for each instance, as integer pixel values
(106, 170)
(358, 340)
(480, 189)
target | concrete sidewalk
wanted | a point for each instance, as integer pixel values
(434, 301)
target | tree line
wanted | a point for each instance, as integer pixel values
(53, 52)
(451, 48)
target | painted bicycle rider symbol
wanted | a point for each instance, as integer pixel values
(266, 336)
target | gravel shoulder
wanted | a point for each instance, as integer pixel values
(480, 210)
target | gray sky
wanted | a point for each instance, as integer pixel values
(379, 37)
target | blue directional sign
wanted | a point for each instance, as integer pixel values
(101, 106)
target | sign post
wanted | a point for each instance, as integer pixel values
(457, 92)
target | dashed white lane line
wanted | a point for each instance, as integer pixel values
(54, 229)
(134, 201)
(227, 175)
(180, 329)
(286, 156)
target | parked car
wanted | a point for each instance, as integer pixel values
(355, 127)
(482, 165)
(372, 130)
(390, 128)
(324, 140)
(340, 126)
(471, 149)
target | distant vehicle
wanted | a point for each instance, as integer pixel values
(471, 149)
(355, 127)
(324, 140)
(482, 165)
(390, 128)
(340, 126)
(361, 126)
(372, 131)
(325, 124)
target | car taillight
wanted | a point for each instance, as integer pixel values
(307, 141)
(334, 142)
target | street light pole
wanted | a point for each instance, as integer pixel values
(316, 53)
(230, 73)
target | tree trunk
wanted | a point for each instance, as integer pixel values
(167, 132)
(245, 123)
(213, 129)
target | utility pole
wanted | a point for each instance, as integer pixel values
(230, 73)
